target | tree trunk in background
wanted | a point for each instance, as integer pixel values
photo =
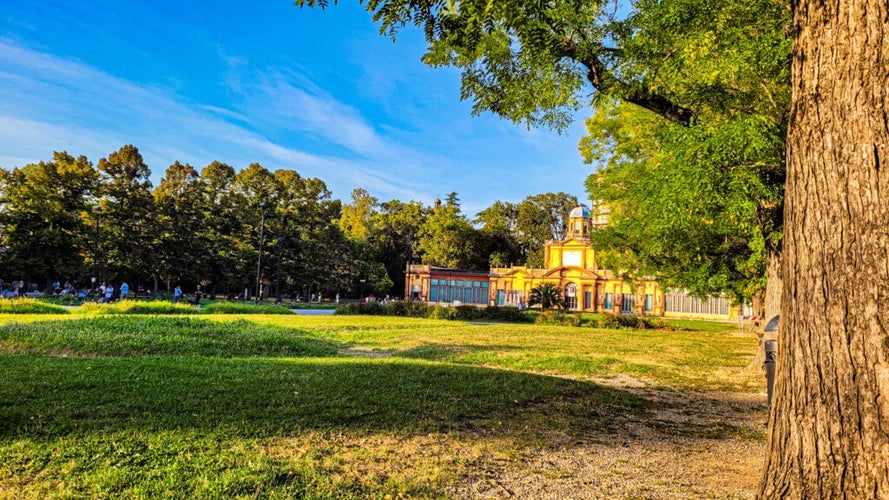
(768, 305)
(774, 287)
(829, 425)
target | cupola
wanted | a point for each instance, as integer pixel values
(579, 223)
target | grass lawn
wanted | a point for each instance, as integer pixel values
(270, 406)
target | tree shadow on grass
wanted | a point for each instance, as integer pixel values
(54, 396)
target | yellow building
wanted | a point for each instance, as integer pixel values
(571, 264)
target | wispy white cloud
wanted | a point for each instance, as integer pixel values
(280, 118)
(58, 104)
(291, 102)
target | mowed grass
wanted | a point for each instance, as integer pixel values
(711, 356)
(222, 406)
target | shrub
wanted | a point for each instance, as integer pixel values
(372, 308)
(409, 309)
(242, 308)
(29, 306)
(468, 312)
(510, 314)
(617, 321)
(441, 312)
(424, 310)
(558, 318)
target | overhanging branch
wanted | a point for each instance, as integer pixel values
(598, 76)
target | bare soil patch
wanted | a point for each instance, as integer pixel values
(689, 445)
(699, 445)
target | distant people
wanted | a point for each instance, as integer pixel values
(124, 290)
(102, 289)
(177, 294)
(197, 296)
(109, 294)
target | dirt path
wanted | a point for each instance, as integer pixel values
(690, 445)
(707, 445)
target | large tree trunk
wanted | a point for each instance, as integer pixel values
(829, 425)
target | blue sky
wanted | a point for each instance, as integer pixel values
(316, 91)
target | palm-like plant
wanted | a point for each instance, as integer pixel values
(549, 296)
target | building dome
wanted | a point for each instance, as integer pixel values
(579, 212)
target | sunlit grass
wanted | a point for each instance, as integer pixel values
(29, 306)
(225, 405)
(135, 307)
(697, 359)
(125, 336)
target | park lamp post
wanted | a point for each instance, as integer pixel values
(407, 270)
(97, 213)
(278, 271)
(263, 207)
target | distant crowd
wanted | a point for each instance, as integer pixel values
(107, 293)
(104, 293)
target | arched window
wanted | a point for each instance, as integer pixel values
(571, 296)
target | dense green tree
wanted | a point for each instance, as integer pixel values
(182, 247)
(396, 231)
(541, 218)
(501, 217)
(355, 220)
(127, 221)
(305, 225)
(698, 206)
(372, 279)
(384, 232)
(498, 224)
(223, 228)
(45, 236)
(447, 239)
(252, 189)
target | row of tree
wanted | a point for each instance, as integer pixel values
(227, 230)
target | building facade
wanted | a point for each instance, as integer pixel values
(570, 264)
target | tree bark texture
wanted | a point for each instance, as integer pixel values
(829, 424)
